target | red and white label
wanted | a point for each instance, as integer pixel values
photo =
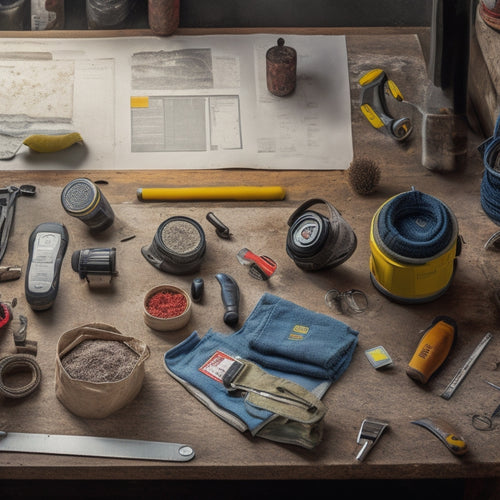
(217, 365)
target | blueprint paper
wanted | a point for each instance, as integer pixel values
(180, 102)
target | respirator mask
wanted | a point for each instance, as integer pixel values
(316, 241)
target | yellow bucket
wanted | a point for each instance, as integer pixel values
(410, 280)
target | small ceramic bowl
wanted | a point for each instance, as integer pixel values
(172, 322)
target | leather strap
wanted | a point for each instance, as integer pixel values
(278, 395)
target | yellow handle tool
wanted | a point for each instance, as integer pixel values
(444, 432)
(374, 105)
(433, 349)
(240, 193)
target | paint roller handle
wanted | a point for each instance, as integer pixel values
(240, 193)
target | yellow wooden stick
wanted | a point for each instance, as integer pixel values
(241, 193)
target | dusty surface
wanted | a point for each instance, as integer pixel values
(164, 411)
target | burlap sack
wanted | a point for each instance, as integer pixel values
(91, 399)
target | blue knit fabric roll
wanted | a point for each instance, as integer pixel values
(415, 225)
(490, 185)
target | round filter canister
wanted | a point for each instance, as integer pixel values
(82, 199)
(177, 247)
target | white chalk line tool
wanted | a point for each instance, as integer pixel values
(93, 446)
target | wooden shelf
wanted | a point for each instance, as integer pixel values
(484, 75)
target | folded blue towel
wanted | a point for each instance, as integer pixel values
(290, 338)
(314, 362)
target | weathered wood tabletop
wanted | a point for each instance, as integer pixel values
(165, 411)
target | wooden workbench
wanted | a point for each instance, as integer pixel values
(164, 411)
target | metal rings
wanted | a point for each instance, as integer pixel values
(18, 363)
(348, 301)
(482, 423)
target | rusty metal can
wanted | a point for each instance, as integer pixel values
(281, 69)
(163, 16)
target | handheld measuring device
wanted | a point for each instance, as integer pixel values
(47, 246)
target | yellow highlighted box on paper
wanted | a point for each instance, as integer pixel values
(139, 101)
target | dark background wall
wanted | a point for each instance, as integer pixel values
(279, 13)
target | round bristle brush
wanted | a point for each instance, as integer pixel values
(363, 175)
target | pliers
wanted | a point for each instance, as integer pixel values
(8, 197)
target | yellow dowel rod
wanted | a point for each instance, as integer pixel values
(242, 193)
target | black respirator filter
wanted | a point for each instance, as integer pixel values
(316, 241)
(178, 246)
(96, 265)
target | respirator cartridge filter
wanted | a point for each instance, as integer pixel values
(178, 246)
(96, 265)
(83, 199)
(315, 241)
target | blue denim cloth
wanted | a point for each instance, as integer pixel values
(292, 339)
(272, 338)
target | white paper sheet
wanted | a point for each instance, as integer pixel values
(180, 102)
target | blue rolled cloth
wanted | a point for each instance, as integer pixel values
(290, 338)
(490, 184)
(415, 225)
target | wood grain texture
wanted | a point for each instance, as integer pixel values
(165, 411)
(484, 75)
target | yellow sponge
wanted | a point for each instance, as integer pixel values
(43, 143)
(433, 349)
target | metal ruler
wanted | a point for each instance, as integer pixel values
(460, 375)
(94, 446)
